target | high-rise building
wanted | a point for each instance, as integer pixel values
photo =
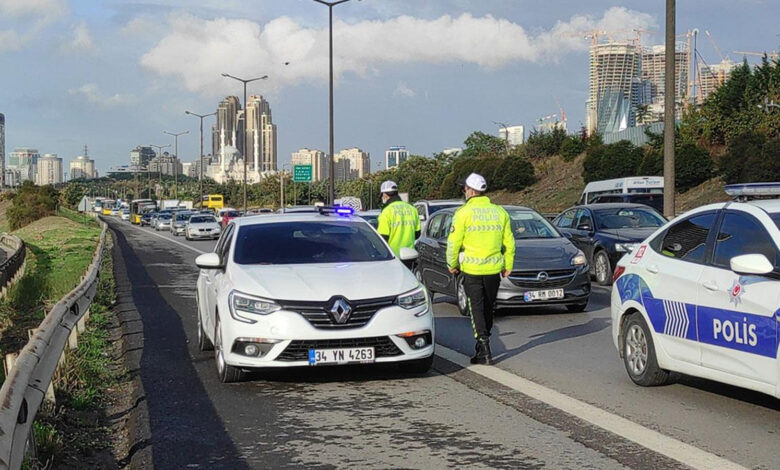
(513, 135)
(228, 132)
(359, 164)
(262, 135)
(315, 158)
(614, 87)
(713, 76)
(188, 169)
(342, 171)
(141, 156)
(166, 164)
(654, 73)
(2, 150)
(82, 167)
(25, 162)
(49, 169)
(394, 156)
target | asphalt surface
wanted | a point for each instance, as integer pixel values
(452, 417)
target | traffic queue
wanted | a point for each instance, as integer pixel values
(698, 295)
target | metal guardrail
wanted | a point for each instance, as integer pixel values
(26, 384)
(10, 266)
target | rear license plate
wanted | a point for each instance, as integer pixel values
(341, 356)
(543, 295)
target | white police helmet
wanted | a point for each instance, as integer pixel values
(388, 187)
(475, 181)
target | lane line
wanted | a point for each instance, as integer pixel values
(648, 438)
(653, 440)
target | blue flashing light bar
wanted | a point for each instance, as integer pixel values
(343, 211)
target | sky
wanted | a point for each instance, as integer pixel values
(114, 74)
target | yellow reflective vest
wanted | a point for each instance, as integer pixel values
(399, 221)
(480, 230)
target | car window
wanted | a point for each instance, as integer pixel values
(776, 219)
(601, 199)
(566, 220)
(444, 230)
(305, 242)
(433, 208)
(530, 225)
(202, 219)
(223, 239)
(627, 217)
(434, 226)
(740, 234)
(584, 218)
(420, 210)
(687, 239)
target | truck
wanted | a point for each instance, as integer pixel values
(169, 204)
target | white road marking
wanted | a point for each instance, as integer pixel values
(169, 239)
(653, 440)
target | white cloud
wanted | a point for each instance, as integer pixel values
(91, 92)
(141, 26)
(28, 19)
(81, 40)
(403, 90)
(197, 51)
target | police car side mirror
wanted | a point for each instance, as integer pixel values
(408, 254)
(755, 264)
(209, 261)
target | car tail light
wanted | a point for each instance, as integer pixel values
(619, 270)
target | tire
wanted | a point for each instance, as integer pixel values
(204, 343)
(602, 268)
(639, 354)
(225, 372)
(463, 305)
(417, 366)
(577, 308)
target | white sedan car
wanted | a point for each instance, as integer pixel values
(202, 227)
(309, 290)
(702, 297)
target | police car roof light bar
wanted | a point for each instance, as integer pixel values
(753, 190)
(339, 210)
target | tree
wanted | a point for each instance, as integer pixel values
(692, 166)
(479, 144)
(542, 144)
(609, 161)
(31, 203)
(752, 157)
(572, 147)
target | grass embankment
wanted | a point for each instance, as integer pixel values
(559, 185)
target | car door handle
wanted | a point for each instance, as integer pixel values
(710, 285)
(653, 269)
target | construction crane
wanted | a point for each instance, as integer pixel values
(774, 55)
(717, 49)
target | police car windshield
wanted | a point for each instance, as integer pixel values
(627, 217)
(309, 242)
(527, 225)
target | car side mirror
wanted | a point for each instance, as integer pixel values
(422, 218)
(756, 264)
(408, 254)
(209, 261)
(585, 227)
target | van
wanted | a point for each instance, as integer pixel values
(629, 185)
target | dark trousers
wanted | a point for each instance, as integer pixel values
(481, 292)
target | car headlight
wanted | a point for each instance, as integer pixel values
(245, 304)
(625, 247)
(579, 259)
(413, 299)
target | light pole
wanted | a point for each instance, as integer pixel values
(175, 165)
(246, 123)
(371, 187)
(159, 163)
(200, 162)
(331, 174)
(669, 73)
(506, 135)
(281, 186)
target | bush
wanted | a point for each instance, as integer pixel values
(514, 174)
(572, 147)
(31, 203)
(751, 158)
(692, 166)
(612, 161)
(545, 144)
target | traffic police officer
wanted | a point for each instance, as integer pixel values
(482, 247)
(399, 222)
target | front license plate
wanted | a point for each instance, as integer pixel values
(543, 295)
(340, 356)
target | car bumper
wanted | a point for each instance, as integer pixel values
(203, 236)
(576, 291)
(294, 336)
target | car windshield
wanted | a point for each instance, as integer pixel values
(165, 217)
(309, 242)
(231, 214)
(433, 208)
(776, 218)
(527, 225)
(180, 217)
(627, 217)
(202, 219)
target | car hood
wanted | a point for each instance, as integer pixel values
(320, 282)
(630, 234)
(544, 253)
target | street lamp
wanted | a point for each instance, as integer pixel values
(371, 187)
(281, 185)
(200, 162)
(176, 157)
(331, 175)
(506, 134)
(246, 123)
(159, 164)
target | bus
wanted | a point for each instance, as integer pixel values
(630, 185)
(138, 207)
(214, 202)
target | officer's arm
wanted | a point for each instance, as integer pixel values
(509, 244)
(383, 225)
(417, 228)
(417, 234)
(455, 240)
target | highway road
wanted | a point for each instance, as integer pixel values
(558, 396)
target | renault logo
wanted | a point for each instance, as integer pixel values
(340, 310)
(542, 276)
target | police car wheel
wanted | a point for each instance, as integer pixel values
(204, 343)
(463, 300)
(602, 268)
(639, 354)
(225, 372)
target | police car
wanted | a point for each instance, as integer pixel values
(701, 296)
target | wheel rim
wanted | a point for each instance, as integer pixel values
(462, 299)
(218, 351)
(636, 350)
(601, 267)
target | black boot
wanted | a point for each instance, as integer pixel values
(483, 354)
